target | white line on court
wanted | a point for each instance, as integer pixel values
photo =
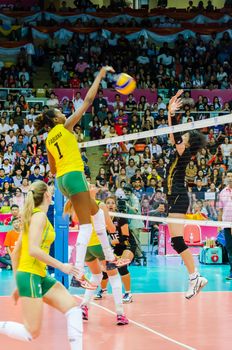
(184, 346)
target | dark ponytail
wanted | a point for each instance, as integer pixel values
(197, 141)
(45, 119)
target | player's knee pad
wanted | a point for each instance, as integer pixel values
(99, 221)
(178, 244)
(105, 276)
(96, 278)
(123, 270)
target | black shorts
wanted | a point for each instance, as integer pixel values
(178, 203)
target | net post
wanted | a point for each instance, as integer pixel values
(61, 224)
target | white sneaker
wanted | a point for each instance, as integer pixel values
(195, 286)
(127, 298)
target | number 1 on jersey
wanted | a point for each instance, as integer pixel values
(58, 149)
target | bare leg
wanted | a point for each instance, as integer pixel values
(177, 230)
(59, 298)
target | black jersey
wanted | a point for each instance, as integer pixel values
(119, 223)
(176, 173)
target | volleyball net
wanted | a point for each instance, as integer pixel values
(208, 199)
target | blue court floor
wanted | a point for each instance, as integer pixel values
(162, 274)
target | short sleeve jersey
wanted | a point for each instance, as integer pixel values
(63, 146)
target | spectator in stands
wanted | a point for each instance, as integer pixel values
(225, 214)
(134, 124)
(18, 198)
(130, 168)
(17, 178)
(64, 7)
(199, 190)
(147, 118)
(101, 179)
(64, 76)
(4, 127)
(29, 128)
(155, 148)
(81, 66)
(130, 103)
(226, 149)
(118, 104)
(36, 175)
(53, 102)
(78, 101)
(11, 238)
(99, 104)
(18, 117)
(25, 186)
(38, 164)
(10, 138)
(8, 168)
(57, 65)
(132, 155)
(105, 128)
(134, 207)
(7, 190)
(33, 146)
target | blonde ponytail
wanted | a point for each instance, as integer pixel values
(29, 206)
(33, 199)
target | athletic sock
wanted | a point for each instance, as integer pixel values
(15, 330)
(127, 291)
(100, 228)
(83, 238)
(95, 279)
(194, 275)
(116, 284)
(75, 328)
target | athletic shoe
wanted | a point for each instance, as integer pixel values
(85, 312)
(111, 265)
(99, 296)
(82, 283)
(122, 320)
(127, 298)
(195, 286)
(229, 277)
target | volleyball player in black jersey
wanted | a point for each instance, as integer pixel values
(124, 246)
(187, 146)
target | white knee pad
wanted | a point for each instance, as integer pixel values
(99, 221)
(96, 279)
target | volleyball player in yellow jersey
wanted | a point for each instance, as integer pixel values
(65, 161)
(30, 259)
(95, 259)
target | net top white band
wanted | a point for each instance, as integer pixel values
(173, 220)
(200, 124)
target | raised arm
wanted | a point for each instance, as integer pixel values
(89, 98)
(174, 105)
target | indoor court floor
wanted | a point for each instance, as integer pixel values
(160, 317)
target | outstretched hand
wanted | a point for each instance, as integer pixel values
(70, 269)
(106, 69)
(175, 102)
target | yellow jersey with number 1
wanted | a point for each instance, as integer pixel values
(63, 146)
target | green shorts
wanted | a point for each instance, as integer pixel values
(33, 286)
(94, 252)
(72, 183)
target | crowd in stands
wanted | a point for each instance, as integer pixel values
(141, 164)
(144, 163)
(190, 64)
(88, 7)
